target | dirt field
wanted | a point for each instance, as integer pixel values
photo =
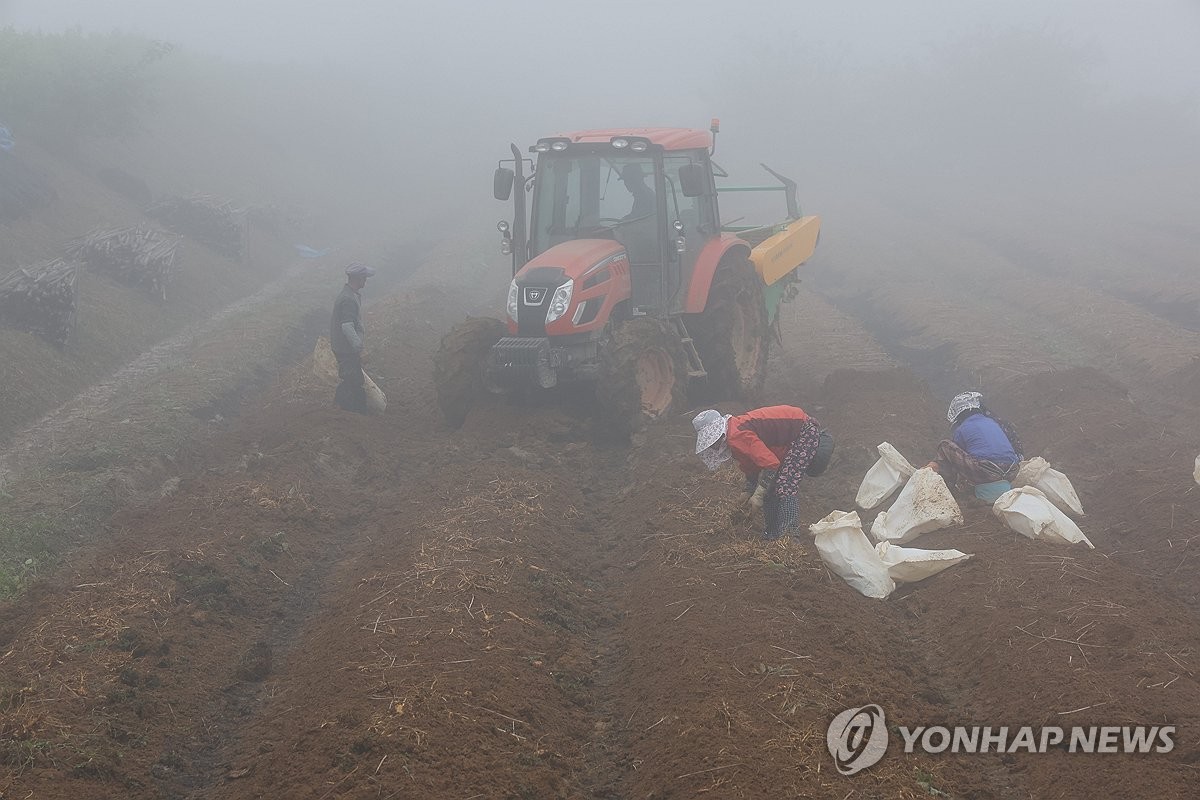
(333, 606)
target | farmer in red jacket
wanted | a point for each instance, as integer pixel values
(775, 447)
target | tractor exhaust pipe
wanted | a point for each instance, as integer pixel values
(519, 232)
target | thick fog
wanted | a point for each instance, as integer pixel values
(401, 109)
(1149, 46)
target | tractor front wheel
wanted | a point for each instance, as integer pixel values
(459, 365)
(643, 375)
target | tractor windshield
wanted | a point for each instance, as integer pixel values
(593, 196)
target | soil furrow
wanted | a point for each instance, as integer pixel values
(515, 610)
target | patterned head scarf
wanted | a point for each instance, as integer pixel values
(963, 402)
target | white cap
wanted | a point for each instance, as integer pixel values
(357, 269)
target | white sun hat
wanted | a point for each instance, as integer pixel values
(710, 426)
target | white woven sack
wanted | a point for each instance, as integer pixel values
(844, 548)
(1030, 513)
(883, 479)
(1036, 472)
(324, 361)
(924, 505)
(376, 399)
(912, 564)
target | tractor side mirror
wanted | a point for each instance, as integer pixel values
(693, 180)
(502, 183)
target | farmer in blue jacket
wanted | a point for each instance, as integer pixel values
(983, 449)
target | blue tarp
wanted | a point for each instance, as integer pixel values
(6, 139)
(308, 252)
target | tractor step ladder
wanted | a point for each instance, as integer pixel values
(695, 365)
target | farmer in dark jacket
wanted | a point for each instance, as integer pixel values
(643, 196)
(346, 337)
(774, 447)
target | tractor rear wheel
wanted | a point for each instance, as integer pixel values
(459, 364)
(643, 375)
(732, 334)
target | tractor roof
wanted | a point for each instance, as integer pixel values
(668, 138)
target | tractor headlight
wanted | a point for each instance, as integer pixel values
(560, 302)
(512, 300)
(556, 143)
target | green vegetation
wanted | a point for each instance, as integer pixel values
(25, 547)
(925, 781)
(19, 755)
(65, 87)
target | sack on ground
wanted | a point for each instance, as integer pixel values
(1196, 473)
(924, 505)
(376, 399)
(324, 361)
(882, 480)
(1056, 486)
(912, 564)
(844, 548)
(1030, 513)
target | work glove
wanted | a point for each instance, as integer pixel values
(747, 490)
(766, 482)
(756, 499)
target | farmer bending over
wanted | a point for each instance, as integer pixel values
(775, 447)
(983, 451)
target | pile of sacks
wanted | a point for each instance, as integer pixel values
(1036, 507)
(875, 571)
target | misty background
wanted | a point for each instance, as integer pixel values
(392, 115)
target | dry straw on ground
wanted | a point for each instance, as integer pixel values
(468, 554)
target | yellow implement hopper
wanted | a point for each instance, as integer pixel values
(786, 249)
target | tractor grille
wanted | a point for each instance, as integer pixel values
(532, 303)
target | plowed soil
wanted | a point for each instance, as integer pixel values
(376, 607)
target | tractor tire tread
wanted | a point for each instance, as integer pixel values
(617, 393)
(458, 366)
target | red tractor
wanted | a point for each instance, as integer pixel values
(624, 276)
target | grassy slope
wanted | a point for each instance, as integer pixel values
(116, 323)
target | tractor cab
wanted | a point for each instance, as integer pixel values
(648, 190)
